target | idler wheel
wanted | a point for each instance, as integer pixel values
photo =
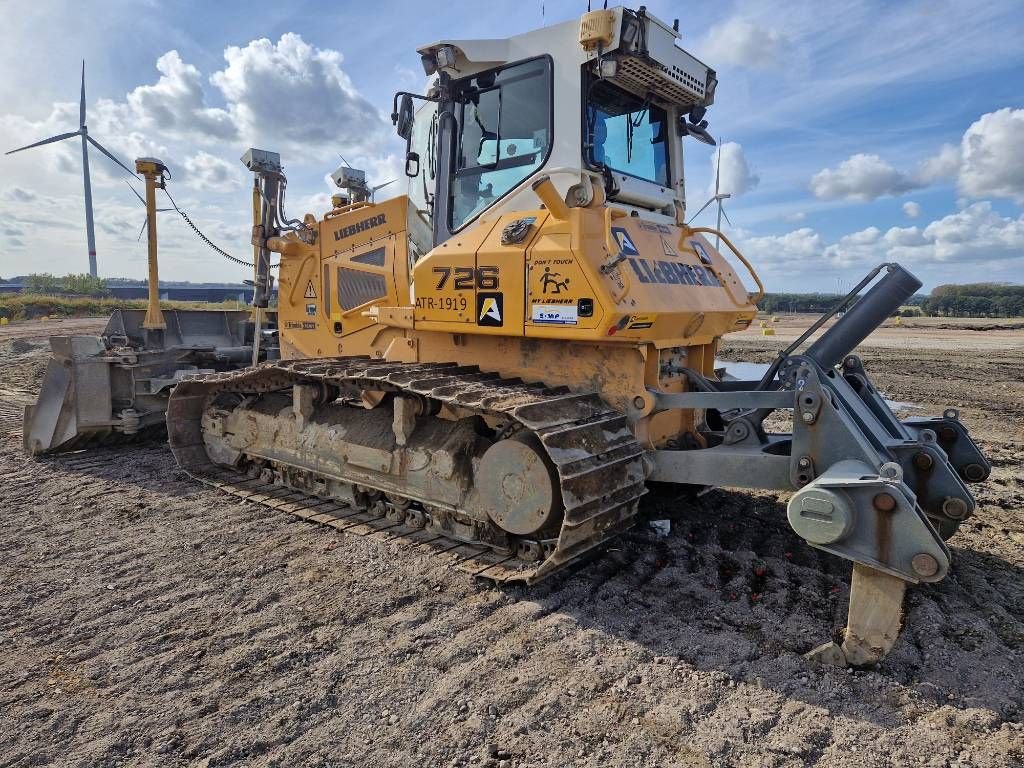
(518, 486)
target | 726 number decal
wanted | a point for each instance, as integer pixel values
(466, 278)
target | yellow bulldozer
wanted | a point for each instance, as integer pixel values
(501, 360)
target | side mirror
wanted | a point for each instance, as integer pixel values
(404, 117)
(698, 131)
(412, 165)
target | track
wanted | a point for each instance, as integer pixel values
(598, 460)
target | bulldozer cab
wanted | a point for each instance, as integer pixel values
(601, 105)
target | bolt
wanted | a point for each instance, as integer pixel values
(923, 461)
(924, 565)
(954, 507)
(947, 434)
(808, 417)
(975, 473)
(639, 403)
(804, 462)
(884, 502)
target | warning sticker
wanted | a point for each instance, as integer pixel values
(555, 314)
(310, 291)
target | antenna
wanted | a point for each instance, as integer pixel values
(83, 131)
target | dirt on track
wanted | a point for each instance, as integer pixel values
(148, 620)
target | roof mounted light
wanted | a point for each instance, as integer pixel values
(445, 57)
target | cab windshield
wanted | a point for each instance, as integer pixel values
(504, 119)
(626, 134)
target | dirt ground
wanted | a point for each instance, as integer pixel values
(148, 620)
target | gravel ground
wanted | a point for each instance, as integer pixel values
(148, 620)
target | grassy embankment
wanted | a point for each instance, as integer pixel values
(21, 306)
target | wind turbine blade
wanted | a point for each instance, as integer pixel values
(135, 191)
(44, 141)
(104, 151)
(381, 186)
(726, 217)
(81, 104)
(698, 213)
(145, 223)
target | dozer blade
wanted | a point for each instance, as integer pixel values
(113, 388)
(74, 400)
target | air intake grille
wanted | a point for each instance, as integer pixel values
(680, 87)
(356, 287)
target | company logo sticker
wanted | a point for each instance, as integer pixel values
(626, 245)
(701, 251)
(555, 314)
(489, 309)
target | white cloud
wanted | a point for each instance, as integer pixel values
(989, 162)
(736, 176)
(294, 98)
(976, 235)
(941, 166)
(777, 253)
(992, 156)
(794, 218)
(287, 96)
(911, 209)
(177, 103)
(19, 195)
(745, 43)
(206, 171)
(860, 177)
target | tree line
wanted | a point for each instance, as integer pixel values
(79, 285)
(976, 300)
(970, 300)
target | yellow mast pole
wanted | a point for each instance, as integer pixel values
(257, 318)
(153, 171)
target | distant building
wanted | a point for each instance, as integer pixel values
(208, 292)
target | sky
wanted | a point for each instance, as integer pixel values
(851, 133)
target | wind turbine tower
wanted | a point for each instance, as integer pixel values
(83, 132)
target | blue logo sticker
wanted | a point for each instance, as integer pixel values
(699, 248)
(625, 243)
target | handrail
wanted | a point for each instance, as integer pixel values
(346, 208)
(736, 251)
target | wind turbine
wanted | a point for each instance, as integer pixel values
(718, 197)
(145, 221)
(82, 131)
(356, 182)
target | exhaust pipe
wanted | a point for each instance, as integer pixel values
(881, 300)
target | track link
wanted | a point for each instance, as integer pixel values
(599, 463)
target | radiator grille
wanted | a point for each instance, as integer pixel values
(356, 287)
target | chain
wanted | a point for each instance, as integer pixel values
(207, 240)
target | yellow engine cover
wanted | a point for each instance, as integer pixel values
(589, 277)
